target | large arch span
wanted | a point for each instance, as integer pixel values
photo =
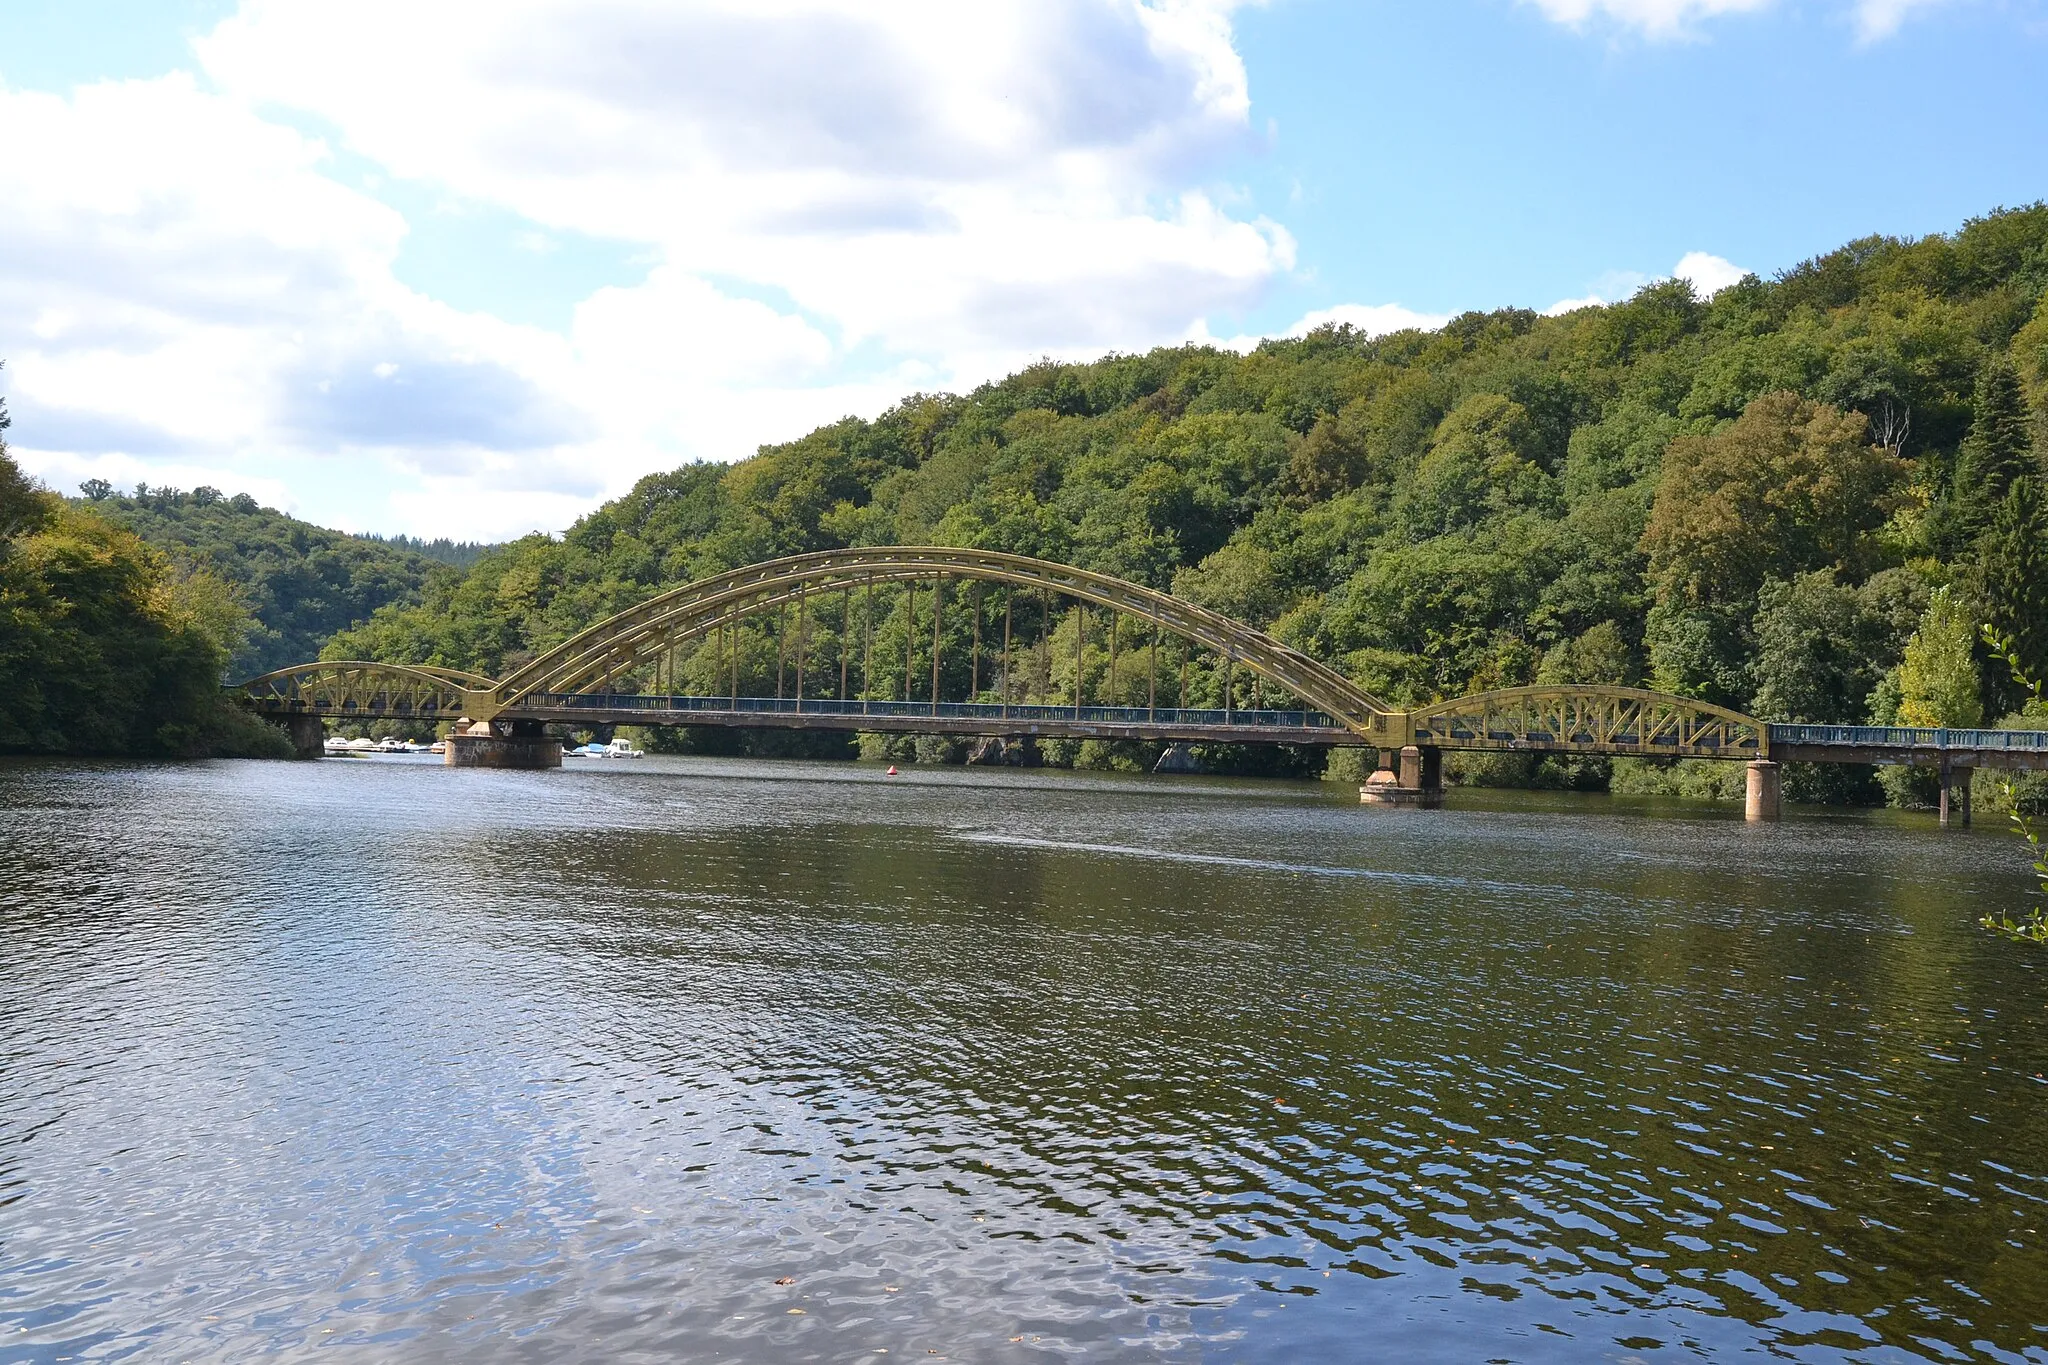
(687, 614)
(1555, 719)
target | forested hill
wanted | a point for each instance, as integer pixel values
(1758, 498)
(302, 583)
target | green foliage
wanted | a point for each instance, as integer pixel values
(2032, 926)
(1789, 486)
(1997, 452)
(1820, 652)
(458, 554)
(1746, 499)
(105, 646)
(1938, 682)
(2010, 580)
(301, 583)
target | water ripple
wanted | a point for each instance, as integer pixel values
(737, 1062)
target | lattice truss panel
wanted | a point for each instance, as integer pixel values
(358, 688)
(1592, 720)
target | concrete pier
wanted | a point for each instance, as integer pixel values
(506, 744)
(1955, 792)
(1410, 776)
(1765, 798)
(308, 735)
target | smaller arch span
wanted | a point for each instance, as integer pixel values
(1589, 718)
(345, 687)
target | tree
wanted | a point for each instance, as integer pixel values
(2011, 580)
(96, 490)
(24, 506)
(2032, 926)
(1998, 449)
(1476, 467)
(1790, 486)
(104, 649)
(1938, 684)
(1817, 652)
(1328, 461)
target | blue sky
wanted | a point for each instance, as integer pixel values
(468, 269)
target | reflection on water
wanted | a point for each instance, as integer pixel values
(716, 1061)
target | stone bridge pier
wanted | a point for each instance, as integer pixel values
(1409, 776)
(308, 734)
(502, 744)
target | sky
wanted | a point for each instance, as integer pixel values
(468, 269)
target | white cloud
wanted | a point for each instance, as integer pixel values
(1373, 319)
(1663, 19)
(1876, 19)
(1563, 306)
(938, 177)
(1652, 18)
(1707, 273)
(186, 295)
(839, 202)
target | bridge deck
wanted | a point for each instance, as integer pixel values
(947, 717)
(1796, 743)
(1912, 746)
(1934, 748)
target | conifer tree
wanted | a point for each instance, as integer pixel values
(1999, 448)
(2012, 578)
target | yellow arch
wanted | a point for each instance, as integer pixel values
(1590, 719)
(687, 613)
(364, 687)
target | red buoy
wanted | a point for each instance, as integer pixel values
(892, 770)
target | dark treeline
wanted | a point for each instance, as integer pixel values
(459, 554)
(299, 583)
(1798, 498)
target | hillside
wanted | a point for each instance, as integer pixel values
(1759, 498)
(105, 646)
(302, 583)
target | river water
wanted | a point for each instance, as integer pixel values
(725, 1061)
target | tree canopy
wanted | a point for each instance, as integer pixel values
(105, 645)
(1750, 497)
(300, 583)
(1753, 498)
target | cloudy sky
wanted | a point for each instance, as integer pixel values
(468, 268)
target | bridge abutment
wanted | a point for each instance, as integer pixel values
(1764, 799)
(519, 744)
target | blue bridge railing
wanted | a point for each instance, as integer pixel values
(1838, 736)
(1908, 737)
(945, 710)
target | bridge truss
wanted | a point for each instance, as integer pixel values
(614, 670)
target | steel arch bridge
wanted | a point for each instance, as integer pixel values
(579, 680)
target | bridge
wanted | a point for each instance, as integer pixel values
(1019, 648)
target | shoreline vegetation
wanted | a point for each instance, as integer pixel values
(1800, 498)
(106, 646)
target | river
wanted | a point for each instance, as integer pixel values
(689, 1059)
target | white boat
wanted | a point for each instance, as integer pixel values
(618, 748)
